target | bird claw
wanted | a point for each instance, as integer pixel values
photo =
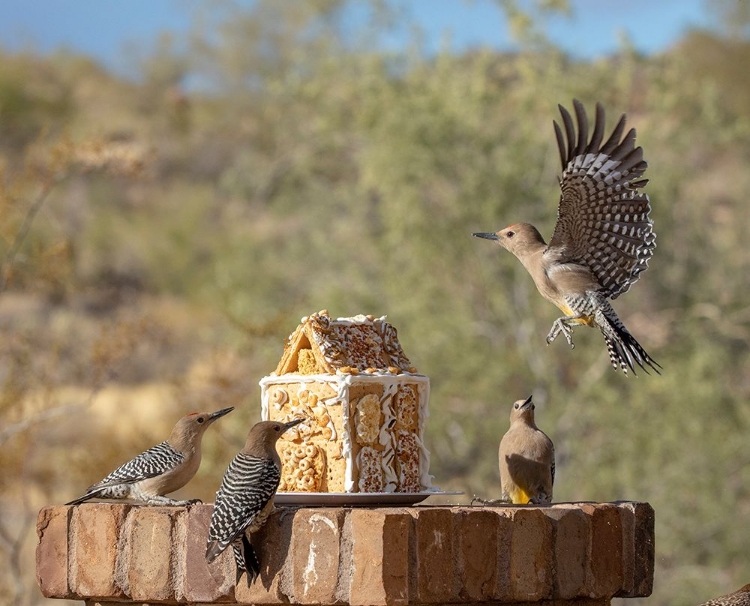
(560, 326)
(485, 502)
(542, 499)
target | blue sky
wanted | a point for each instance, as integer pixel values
(104, 29)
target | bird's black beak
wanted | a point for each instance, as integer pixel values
(527, 404)
(292, 424)
(220, 413)
(486, 236)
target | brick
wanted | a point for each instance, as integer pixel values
(149, 539)
(196, 580)
(504, 521)
(572, 536)
(271, 545)
(531, 562)
(380, 557)
(638, 549)
(52, 552)
(436, 579)
(315, 549)
(605, 569)
(477, 530)
(94, 542)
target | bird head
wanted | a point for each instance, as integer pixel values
(191, 426)
(517, 238)
(266, 433)
(523, 410)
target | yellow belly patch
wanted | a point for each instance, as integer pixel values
(519, 496)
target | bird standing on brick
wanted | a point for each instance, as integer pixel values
(741, 597)
(245, 498)
(162, 469)
(527, 459)
(603, 238)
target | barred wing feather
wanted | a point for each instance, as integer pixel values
(603, 220)
(155, 461)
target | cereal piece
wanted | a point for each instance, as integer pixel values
(278, 397)
(368, 419)
(302, 468)
(307, 398)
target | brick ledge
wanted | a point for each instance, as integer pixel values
(569, 553)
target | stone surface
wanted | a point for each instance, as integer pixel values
(531, 557)
(271, 546)
(569, 553)
(315, 552)
(378, 580)
(638, 521)
(52, 552)
(147, 538)
(605, 570)
(94, 536)
(436, 579)
(198, 581)
(572, 539)
(477, 535)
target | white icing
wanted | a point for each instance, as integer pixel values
(424, 455)
(387, 439)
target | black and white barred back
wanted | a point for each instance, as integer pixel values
(603, 220)
(249, 484)
(153, 462)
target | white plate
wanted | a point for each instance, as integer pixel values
(355, 498)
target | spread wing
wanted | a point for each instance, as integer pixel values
(603, 220)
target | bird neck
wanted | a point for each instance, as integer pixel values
(525, 421)
(186, 444)
(262, 450)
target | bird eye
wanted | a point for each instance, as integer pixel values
(515, 405)
(200, 419)
(277, 428)
(510, 234)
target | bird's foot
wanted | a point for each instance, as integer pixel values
(166, 501)
(287, 510)
(541, 499)
(561, 326)
(488, 502)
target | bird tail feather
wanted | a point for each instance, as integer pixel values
(624, 351)
(90, 494)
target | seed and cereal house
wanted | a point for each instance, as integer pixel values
(366, 405)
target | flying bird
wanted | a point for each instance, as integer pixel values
(603, 238)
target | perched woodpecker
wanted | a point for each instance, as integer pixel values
(741, 597)
(245, 498)
(527, 459)
(162, 469)
(603, 238)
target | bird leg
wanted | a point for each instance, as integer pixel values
(562, 325)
